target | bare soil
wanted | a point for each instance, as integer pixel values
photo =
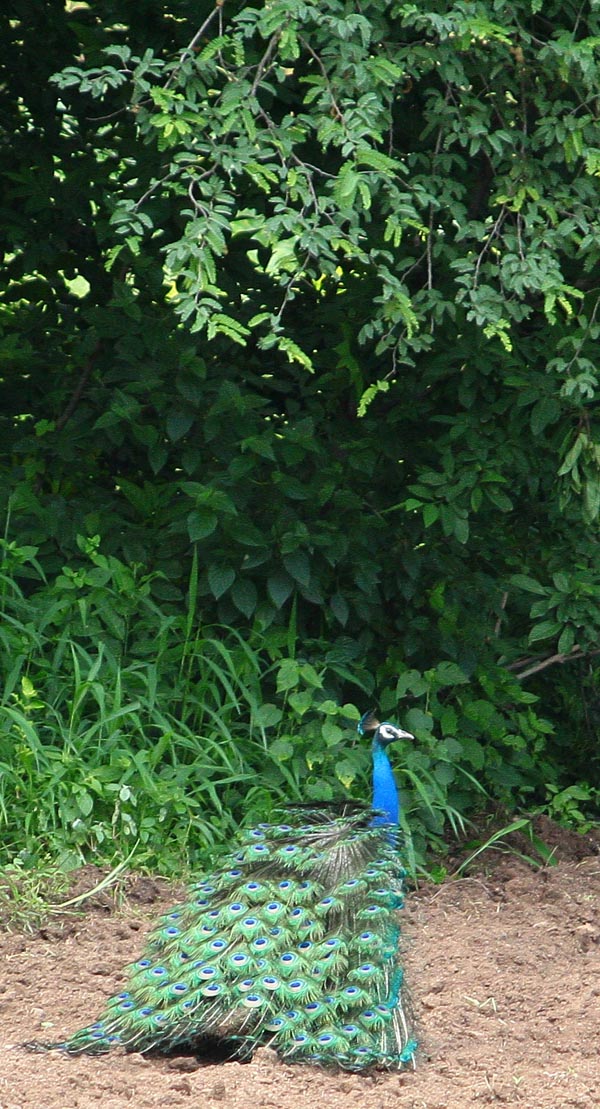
(505, 973)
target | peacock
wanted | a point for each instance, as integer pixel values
(292, 942)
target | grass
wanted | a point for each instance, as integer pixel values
(128, 728)
(26, 894)
(541, 854)
(124, 724)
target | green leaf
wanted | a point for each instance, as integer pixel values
(566, 640)
(418, 721)
(448, 673)
(301, 702)
(297, 565)
(27, 687)
(431, 513)
(288, 675)
(179, 423)
(340, 609)
(331, 732)
(461, 529)
(294, 353)
(473, 752)
(345, 772)
(220, 578)
(591, 499)
(310, 676)
(281, 748)
(545, 630)
(572, 456)
(279, 588)
(499, 498)
(376, 159)
(85, 802)
(412, 681)
(546, 411)
(201, 523)
(157, 456)
(267, 715)
(530, 585)
(244, 596)
(345, 187)
(369, 395)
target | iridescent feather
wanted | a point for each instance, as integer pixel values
(293, 942)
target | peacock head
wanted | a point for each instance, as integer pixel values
(382, 732)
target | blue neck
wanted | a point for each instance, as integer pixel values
(385, 793)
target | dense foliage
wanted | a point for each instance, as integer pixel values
(298, 372)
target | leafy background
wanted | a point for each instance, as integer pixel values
(298, 371)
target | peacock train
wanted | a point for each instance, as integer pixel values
(292, 941)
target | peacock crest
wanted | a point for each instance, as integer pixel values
(292, 941)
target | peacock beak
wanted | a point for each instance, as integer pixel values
(404, 735)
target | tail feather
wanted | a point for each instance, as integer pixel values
(292, 942)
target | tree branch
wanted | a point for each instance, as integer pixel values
(550, 660)
(191, 47)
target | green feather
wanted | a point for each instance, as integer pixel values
(292, 941)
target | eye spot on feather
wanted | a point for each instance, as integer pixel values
(207, 972)
(253, 1001)
(270, 982)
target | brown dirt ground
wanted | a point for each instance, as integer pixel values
(505, 973)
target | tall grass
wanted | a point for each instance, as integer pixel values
(122, 722)
(126, 723)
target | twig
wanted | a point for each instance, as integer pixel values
(488, 242)
(262, 65)
(192, 45)
(334, 104)
(154, 186)
(429, 244)
(79, 388)
(498, 624)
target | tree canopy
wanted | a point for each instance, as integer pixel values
(298, 376)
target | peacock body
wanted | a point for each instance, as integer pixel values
(291, 942)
